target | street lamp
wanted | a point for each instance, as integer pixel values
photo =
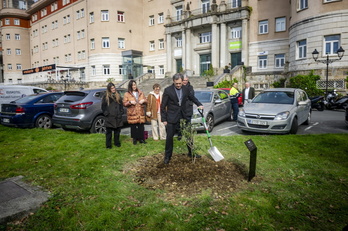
(327, 61)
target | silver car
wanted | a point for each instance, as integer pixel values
(278, 110)
(217, 108)
(81, 110)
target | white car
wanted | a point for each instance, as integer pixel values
(277, 110)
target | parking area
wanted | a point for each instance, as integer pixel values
(323, 122)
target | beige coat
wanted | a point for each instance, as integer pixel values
(135, 113)
(151, 109)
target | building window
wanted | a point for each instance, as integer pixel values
(279, 60)
(82, 13)
(302, 4)
(325, 1)
(205, 37)
(302, 49)
(121, 70)
(331, 44)
(8, 51)
(77, 14)
(94, 72)
(79, 55)
(161, 70)
(105, 42)
(9, 66)
(82, 34)
(178, 11)
(18, 51)
(106, 69)
(262, 62)
(91, 17)
(236, 32)
(263, 27)
(120, 16)
(7, 21)
(105, 15)
(68, 18)
(8, 36)
(19, 81)
(179, 42)
(16, 22)
(54, 6)
(17, 37)
(43, 12)
(160, 18)
(19, 66)
(151, 20)
(236, 3)
(205, 6)
(23, 5)
(92, 44)
(78, 35)
(152, 45)
(65, 2)
(83, 54)
(280, 24)
(161, 44)
(121, 43)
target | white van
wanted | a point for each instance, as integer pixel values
(9, 93)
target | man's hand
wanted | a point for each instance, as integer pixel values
(201, 107)
(165, 123)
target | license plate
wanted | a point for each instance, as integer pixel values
(64, 110)
(258, 122)
(5, 120)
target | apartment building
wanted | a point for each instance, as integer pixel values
(96, 40)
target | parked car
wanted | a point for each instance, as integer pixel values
(217, 108)
(9, 93)
(30, 111)
(278, 110)
(240, 100)
(81, 110)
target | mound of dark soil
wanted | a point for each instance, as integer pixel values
(186, 177)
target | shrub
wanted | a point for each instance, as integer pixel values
(307, 83)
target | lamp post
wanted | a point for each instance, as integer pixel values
(64, 80)
(327, 61)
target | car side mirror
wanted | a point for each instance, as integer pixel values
(302, 103)
(217, 101)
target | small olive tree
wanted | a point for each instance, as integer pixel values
(188, 137)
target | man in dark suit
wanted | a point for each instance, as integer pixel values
(173, 109)
(247, 93)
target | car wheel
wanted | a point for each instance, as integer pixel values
(210, 122)
(43, 121)
(294, 126)
(98, 125)
(308, 121)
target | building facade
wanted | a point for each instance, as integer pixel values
(93, 41)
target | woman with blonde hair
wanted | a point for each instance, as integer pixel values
(135, 101)
(113, 110)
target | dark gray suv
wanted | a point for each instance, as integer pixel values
(81, 110)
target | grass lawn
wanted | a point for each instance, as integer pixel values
(301, 183)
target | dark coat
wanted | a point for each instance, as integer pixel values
(251, 93)
(189, 103)
(171, 111)
(112, 112)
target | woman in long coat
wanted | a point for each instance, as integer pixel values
(113, 110)
(135, 101)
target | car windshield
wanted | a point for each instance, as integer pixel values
(275, 97)
(204, 96)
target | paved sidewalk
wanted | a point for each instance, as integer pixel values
(18, 199)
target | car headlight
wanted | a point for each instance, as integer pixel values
(282, 116)
(241, 113)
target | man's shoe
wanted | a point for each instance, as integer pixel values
(108, 147)
(166, 161)
(142, 141)
(134, 141)
(118, 145)
(179, 138)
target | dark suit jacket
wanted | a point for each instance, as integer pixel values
(171, 111)
(189, 103)
(251, 93)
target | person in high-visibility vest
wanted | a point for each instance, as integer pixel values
(234, 94)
